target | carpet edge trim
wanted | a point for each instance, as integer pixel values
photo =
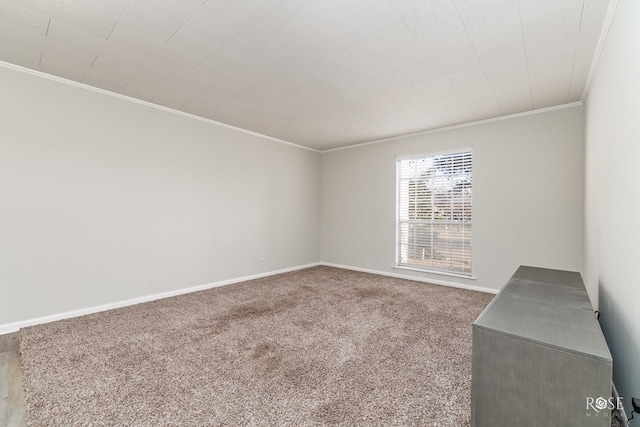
(414, 278)
(15, 326)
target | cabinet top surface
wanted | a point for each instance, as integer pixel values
(570, 279)
(550, 307)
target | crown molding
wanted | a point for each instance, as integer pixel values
(460, 126)
(148, 104)
(596, 56)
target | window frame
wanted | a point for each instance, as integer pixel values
(398, 243)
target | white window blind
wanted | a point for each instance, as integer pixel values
(434, 212)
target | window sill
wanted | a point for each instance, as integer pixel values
(438, 272)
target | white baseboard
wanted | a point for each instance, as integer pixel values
(415, 278)
(13, 327)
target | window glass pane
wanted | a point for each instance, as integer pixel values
(434, 212)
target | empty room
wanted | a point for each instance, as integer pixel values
(319, 212)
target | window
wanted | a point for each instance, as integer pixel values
(434, 213)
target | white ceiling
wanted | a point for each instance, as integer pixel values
(319, 73)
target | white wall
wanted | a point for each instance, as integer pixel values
(527, 202)
(612, 205)
(103, 200)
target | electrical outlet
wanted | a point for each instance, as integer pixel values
(260, 256)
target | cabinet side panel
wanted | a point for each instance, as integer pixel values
(516, 382)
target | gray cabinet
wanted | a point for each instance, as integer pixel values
(539, 355)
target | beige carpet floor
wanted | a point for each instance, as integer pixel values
(320, 346)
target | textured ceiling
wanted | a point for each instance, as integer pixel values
(319, 73)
